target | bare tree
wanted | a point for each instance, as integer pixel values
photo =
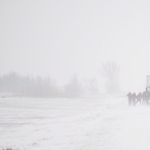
(110, 71)
(91, 86)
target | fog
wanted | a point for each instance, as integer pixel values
(63, 38)
(66, 67)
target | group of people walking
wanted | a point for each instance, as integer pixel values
(142, 98)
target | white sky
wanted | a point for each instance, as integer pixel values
(63, 37)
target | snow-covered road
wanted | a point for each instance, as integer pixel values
(105, 123)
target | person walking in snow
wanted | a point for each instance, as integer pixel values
(143, 98)
(133, 99)
(129, 98)
(147, 97)
(138, 98)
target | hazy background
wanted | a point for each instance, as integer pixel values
(62, 37)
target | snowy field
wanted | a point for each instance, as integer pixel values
(105, 123)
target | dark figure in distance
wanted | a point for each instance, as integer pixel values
(147, 96)
(129, 98)
(144, 99)
(133, 99)
(139, 98)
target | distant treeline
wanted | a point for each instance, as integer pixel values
(17, 85)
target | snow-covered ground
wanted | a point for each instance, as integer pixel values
(105, 123)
